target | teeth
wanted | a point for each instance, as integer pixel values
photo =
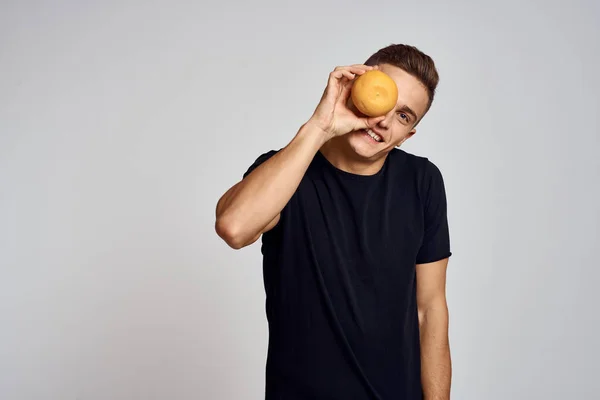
(374, 135)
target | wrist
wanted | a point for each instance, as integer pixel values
(315, 131)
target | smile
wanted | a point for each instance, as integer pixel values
(373, 135)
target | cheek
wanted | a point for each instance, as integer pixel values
(400, 135)
(399, 131)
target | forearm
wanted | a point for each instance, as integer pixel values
(436, 368)
(249, 206)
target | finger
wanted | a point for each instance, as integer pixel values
(355, 69)
(346, 90)
(338, 81)
(349, 75)
(342, 73)
(359, 66)
(335, 85)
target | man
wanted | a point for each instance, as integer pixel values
(355, 243)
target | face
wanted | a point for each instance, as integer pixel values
(398, 124)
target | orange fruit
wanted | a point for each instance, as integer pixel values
(374, 93)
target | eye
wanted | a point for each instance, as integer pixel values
(404, 116)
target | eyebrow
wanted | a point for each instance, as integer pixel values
(408, 110)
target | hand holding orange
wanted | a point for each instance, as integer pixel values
(374, 93)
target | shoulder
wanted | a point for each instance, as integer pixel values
(421, 167)
(426, 175)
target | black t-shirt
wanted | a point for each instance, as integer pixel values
(340, 281)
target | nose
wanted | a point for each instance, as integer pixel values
(385, 123)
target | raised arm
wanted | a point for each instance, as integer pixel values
(254, 204)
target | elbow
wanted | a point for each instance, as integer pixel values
(230, 233)
(422, 316)
(436, 313)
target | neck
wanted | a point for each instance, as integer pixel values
(339, 153)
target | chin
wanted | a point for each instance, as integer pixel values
(364, 146)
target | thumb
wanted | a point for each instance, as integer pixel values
(371, 122)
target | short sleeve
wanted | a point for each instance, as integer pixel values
(261, 159)
(436, 237)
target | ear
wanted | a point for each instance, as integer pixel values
(408, 136)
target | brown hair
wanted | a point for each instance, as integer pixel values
(411, 60)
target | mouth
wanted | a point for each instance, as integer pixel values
(372, 135)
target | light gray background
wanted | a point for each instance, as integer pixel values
(121, 124)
